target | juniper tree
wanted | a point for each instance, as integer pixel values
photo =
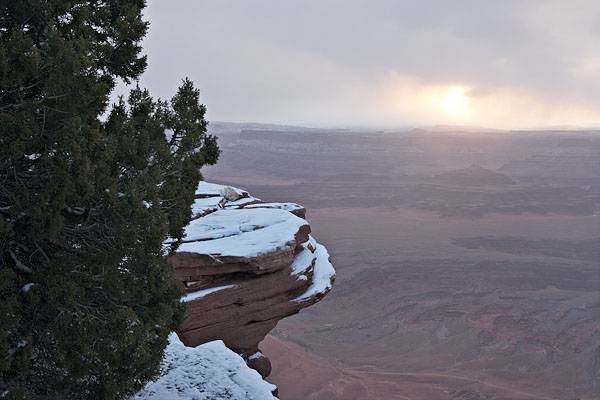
(87, 298)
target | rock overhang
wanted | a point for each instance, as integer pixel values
(246, 265)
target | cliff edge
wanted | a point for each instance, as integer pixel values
(246, 265)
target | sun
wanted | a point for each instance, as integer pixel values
(455, 102)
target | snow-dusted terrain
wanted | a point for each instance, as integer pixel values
(207, 372)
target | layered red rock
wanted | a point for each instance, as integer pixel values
(246, 265)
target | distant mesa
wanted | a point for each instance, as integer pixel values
(454, 129)
(474, 175)
(418, 131)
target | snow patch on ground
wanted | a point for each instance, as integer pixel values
(206, 372)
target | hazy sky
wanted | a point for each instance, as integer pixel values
(381, 62)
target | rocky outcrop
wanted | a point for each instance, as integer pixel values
(246, 265)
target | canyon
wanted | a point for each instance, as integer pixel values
(467, 262)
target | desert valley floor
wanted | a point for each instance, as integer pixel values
(468, 263)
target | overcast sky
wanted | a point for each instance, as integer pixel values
(501, 63)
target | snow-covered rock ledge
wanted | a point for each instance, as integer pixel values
(246, 265)
(206, 372)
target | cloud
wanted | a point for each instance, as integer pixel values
(521, 63)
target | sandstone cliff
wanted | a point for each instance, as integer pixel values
(246, 265)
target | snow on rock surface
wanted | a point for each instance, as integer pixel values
(201, 293)
(246, 265)
(207, 189)
(294, 208)
(242, 234)
(206, 372)
(244, 202)
(207, 205)
(305, 259)
(323, 274)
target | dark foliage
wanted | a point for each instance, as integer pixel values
(87, 298)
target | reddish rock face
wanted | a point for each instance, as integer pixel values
(261, 364)
(246, 265)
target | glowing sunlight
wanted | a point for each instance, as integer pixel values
(455, 102)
